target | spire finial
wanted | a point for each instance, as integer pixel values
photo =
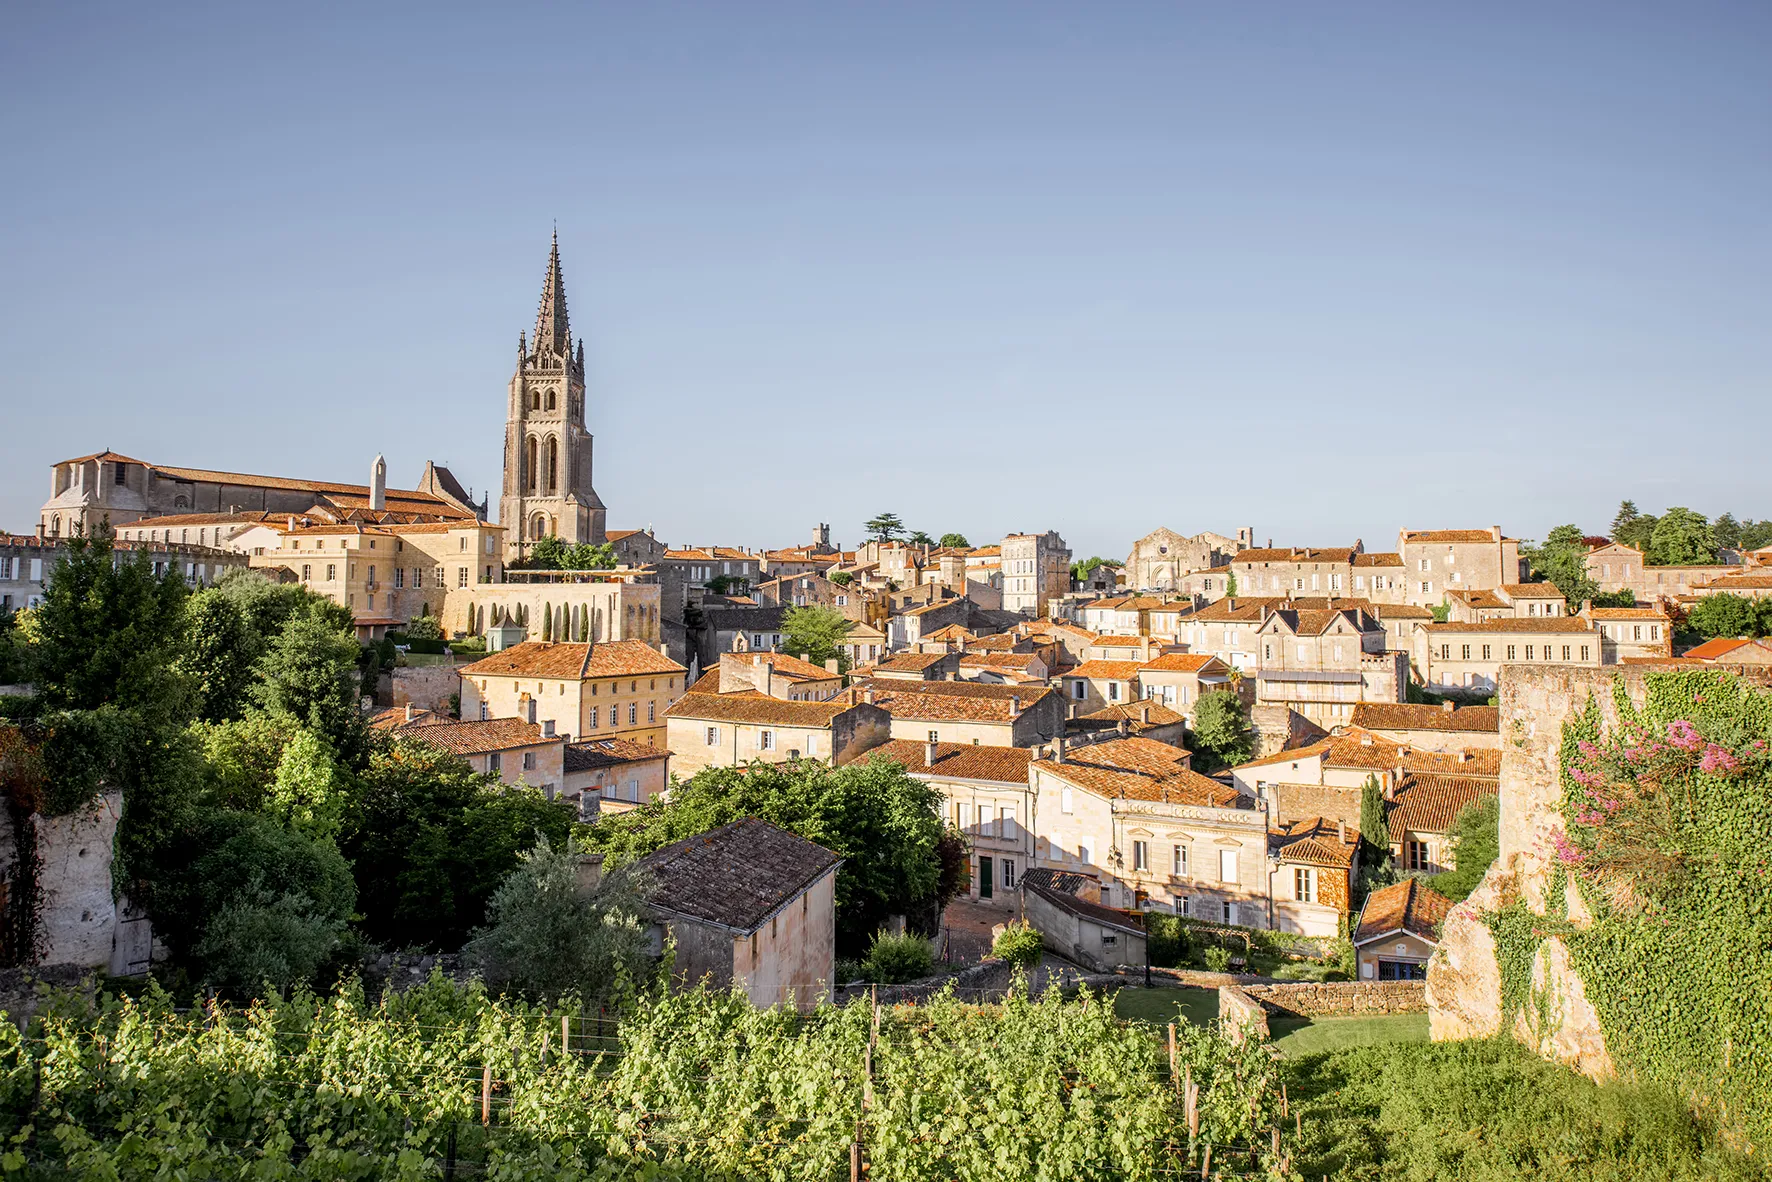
(552, 331)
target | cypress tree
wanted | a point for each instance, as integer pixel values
(547, 621)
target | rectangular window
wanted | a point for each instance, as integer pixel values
(1141, 858)
(1465, 652)
(1084, 854)
(461, 576)
(1510, 652)
(633, 713)
(529, 761)
(652, 712)
(331, 572)
(713, 736)
(399, 576)
(1065, 803)
(1528, 652)
(1445, 652)
(596, 712)
(1229, 912)
(1417, 855)
(1227, 865)
(767, 740)
(1178, 859)
(307, 572)
(1304, 885)
(1008, 874)
(493, 763)
(1584, 652)
(1565, 652)
(1113, 691)
(1485, 652)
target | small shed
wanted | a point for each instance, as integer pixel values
(507, 633)
(1096, 937)
(1396, 933)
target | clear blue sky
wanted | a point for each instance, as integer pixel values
(1325, 269)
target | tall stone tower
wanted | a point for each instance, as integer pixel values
(547, 486)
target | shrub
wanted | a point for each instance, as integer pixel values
(1218, 959)
(424, 627)
(1166, 940)
(895, 959)
(1019, 944)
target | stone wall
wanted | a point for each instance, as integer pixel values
(1239, 1015)
(1463, 977)
(1311, 999)
(76, 920)
(425, 687)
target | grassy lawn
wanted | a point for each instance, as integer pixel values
(1304, 1036)
(1159, 1007)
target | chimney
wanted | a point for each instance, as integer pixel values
(1464, 756)
(1058, 748)
(929, 753)
(831, 665)
(867, 695)
(767, 673)
(1015, 705)
(590, 872)
(1448, 705)
(378, 484)
(1341, 832)
(292, 523)
(409, 712)
(1120, 728)
(547, 728)
(1144, 714)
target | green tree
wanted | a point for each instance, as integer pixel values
(267, 605)
(1730, 616)
(218, 656)
(815, 632)
(587, 556)
(1682, 537)
(1375, 831)
(955, 542)
(1476, 843)
(12, 664)
(884, 527)
(1727, 531)
(310, 673)
(310, 789)
(1221, 736)
(547, 622)
(883, 822)
(1230, 584)
(424, 626)
(842, 578)
(919, 538)
(1562, 560)
(1631, 527)
(241, 757)
(430, 840)
(547, 553)
(546, 937)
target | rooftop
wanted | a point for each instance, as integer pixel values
(575, 662)
(962, 761)
(1399, 716)
(1406, 906)
(735, 876)
(602, 753)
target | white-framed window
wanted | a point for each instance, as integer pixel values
(494, 764)
(1008, 868)
(1178, 859)
(1141, 856)
(1227, 865)
(1304, 885)
(713, 736)
(634, 791)
(461, 576)
(1113, 691)
(1079, 690)
(1184, 906)
(766, 740)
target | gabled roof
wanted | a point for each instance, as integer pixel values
(735, 876)
(961, 761)
(1335, 554)
(1400, 716)
(1565, 625)
(1133, 713)
(1046, 884)
(1241, 609)
(1453, 535)
(1182, 663)
(1531, 591)
(604, 753)
(1429, 802)
(757, 709)
(1140, 769)
(480, 735)
(939, 701)
(1361, 749)
(1407, 906)
(1110, 670)
(1316, 841)
(1716, 650)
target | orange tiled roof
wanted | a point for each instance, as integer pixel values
(1133, 713)
(1383, 559)
(603, 753)
(1567, 625)
(911, 662)
(784, 664)
(204, 519)
(1356, 748)
(996, 660)
(1531, 591)
(962, 761)
(1241, 609)
(1427, 802)
(1627, 613)
(575, 662)
(1140, 769)
(1712, 650)
(1296, 554)
(1407, 906)
(757, 709)
(1180, 663)
(1402, 716)
(941, 701)
(1449, 535)
(1317, 841)
(477, 736)
(1111, 670)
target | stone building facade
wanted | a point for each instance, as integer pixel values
(1159, 560)
(1036, 571)
(547, 471)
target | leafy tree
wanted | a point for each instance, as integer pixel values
(546, 937)
(587, 556)
(268, 605)
(726, 585)
(919, 538)
(424, 626)
(884, 527)
(12, 664)
(842, 578)
(955, 542)
(1476, 843)
(219, 652)
(1019, 944)
(814, 632)
(1725, 615)
(1221, 735)
(310, 673)
(431, 839)
(310, 788)
(1082, 570)
(1230, 584)
(1442, 612)
(884, 823)
(241, 758)
(253, 901)
(1682, 537)
(1727, 531)
(1562, 560)
(1375, 831)
(547, 553)
(1631, 527)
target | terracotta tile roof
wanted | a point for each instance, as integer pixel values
(1288, 755)
(1316, 841)
(755, 708)
(474, 737)
(911, 662)
(735, 876)
(996, 660)
(103, 455)
(1140, 769)
(1481, 599)
(1407, 906)
(710, 554)
(1565, 625)
(986, 552)
(1333, 554)
(944, 701)
(1393, 716)
(1133, 714)
(1531, 591)
(394, 718)
(1242, 609)
(1746, 582)
(1712, 650)
(1356, 748)
(1383, 559)
(1627, 613)
(204, 519)
(1428, 803)
(247, 480)
(951, 632)
(1110, 670)
(1401, 611)
(1121, 641)
(575, 662)
(605, 753)
(616, 535)
(962, 761)
(1181, 663)
(1448, 535)
(784, 665)
(1001, 642)
(1316, 623)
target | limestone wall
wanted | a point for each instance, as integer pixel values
(1314, 999)
(1463, 976)
(1239, 1014)
(425, 687)
(76, 910)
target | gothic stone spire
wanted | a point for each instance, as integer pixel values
(552, 332)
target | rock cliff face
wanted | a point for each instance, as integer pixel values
(1464, 977)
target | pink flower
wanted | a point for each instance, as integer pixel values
(1568, 852)
(1583, 776)
(1718, 759)
(1587, 749)
(1684, 735)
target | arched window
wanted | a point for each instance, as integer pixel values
(530, 467)
(550, 400)
(553, 481)
(55, 525)
(535, 400)
(180, 503)
(538, 527)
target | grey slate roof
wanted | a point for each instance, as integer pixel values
(735, 876)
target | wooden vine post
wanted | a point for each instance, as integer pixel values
(486, 1094)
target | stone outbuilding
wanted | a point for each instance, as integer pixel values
(1396, 933)
(1096, 937)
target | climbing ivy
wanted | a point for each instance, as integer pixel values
(1668, 815)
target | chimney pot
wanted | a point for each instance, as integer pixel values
(929, 753)
(409, 712)
(1341, 832)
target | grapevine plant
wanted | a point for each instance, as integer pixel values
(1667, 819)
(692, 1085)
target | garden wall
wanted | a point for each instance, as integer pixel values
(1312, 999)
(425, 687)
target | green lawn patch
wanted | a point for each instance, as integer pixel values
(1159, 1007)
(1303, 1036)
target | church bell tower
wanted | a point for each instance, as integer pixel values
(547, 489)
